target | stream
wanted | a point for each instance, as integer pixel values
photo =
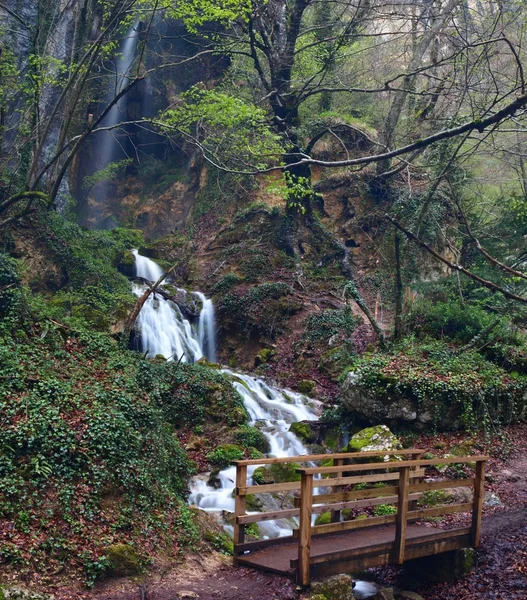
(162, 329)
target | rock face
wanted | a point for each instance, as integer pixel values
(368, 406)
(373, 439)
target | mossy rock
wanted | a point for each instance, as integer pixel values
(283, 472)
(127, 264)
(122, 560)
(254, 503)
(263, 357)
(262, 476)
(373, 439)
(338, 587)
(224, 455)
(304, 432)
(332, 438)
(323, 518)
(306, 386)
(251, 437)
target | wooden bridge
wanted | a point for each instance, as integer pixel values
(364, 542)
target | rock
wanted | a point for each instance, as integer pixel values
(338, 587)
(20, 593)
(447, 566)
(306, 386)
(186, 595)
(384, 594)
(323, 519)
(304, 432)
(404, 595)
(373, 439)
(122, 560)
(492, 500)
(262, 476)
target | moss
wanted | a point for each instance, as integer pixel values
(253, 503)
(303, 431)
(247, 437)
(220, 542)
(323, 518)
(283, 472)
(372, 439)
(224, 455)
(127, 263)
(122, 560)
(332, 438)
(306, 386)
(262, 476)
(263, 357)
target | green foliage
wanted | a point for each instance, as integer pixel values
(327, 323)
(226, 283)
(109, 172)
(251, 437)
(223, 456)
(384, 509)
(231, 129)
(430, 371)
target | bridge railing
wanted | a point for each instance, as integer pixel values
(337, 483)
(405, 493)
(401, 486)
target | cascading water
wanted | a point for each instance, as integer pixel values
(271, 410)
(161, 327)
(164, 330)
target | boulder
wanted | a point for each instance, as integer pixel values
(384, 594)
(373, 439)
(122, 560)
(405, 595)
(304, 431)
(338, 587)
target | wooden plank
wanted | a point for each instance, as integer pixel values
(353, 480)
(268, 488)
(392, 465)
(355, 565)
(240, 503)
(414, 479)
(335, 514)
(338, 555)
(304, 529)
(259, 544)
(402, 516)
(442, 485)
(315, 457)
(268, 516)
(439, 510)
(351, 525)
(437, 547)
(434, 535)
(356, 495)
(477, 504)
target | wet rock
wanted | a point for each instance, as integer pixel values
(304, 432)
(405, 595)
(373, 439)
(338, 587)
(306, 386)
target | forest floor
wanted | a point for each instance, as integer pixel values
(500, 573)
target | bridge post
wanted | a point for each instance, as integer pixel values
(401, 518)
(240, 503)
(335, 514)
(412, 505)
(304, 529)
(477, 503)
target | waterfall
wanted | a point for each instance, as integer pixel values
(162, 329)
(108, 147)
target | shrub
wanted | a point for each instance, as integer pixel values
(223, 456)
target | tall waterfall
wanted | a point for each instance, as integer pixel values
(109, 146)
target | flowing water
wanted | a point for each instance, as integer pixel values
(162, 329)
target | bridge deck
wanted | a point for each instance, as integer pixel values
(357, 549)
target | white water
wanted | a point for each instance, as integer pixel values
(161, 327)
(272, 410)
(163, 330)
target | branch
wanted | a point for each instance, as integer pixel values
(29, 195)
(484, 282)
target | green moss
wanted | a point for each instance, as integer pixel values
(262, 476)
(283, 472)
(323, 518)
(306, 386)
(122, 560)
(224, 455)
(220, 542)
(303, 431)
(372, 439)
(247, 437)
(253, 503)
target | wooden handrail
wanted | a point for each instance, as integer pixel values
(315, 457)
(392, 465)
